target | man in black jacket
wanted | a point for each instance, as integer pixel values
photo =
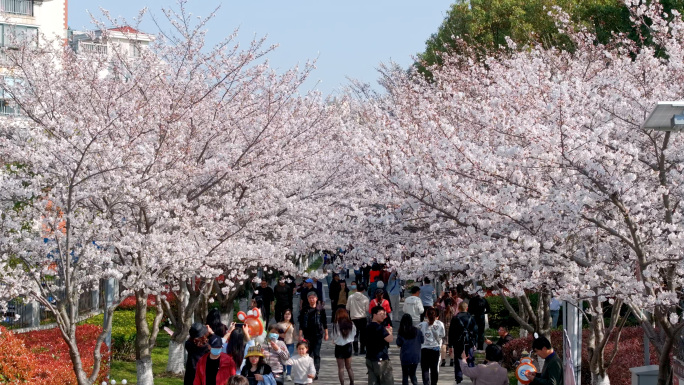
(313, 326)
(462, 337)
(478, 307)
(283, 299)
(266, 295)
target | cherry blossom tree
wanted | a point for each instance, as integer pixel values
(164, 171)
(532, 171)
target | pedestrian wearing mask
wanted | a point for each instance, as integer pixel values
(215, 367)
(276, 353)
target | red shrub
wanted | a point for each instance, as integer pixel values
(129, 302)
(16, 361)
(52, 354)
(630, 353)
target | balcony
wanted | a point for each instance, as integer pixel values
(17, 7)
(92, 48)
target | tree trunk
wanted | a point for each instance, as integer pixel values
(176, 363)
(597, 379)
(145, 339)
(143, 368)
(143, 350)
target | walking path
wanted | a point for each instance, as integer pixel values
(328, 372)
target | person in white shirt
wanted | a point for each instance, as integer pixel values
(343, 335)
(413, 305)
(303, 369)
(433, 330)
(357, 304)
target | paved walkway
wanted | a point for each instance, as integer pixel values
(328, 372)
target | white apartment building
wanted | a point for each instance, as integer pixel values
(128, 39)
(31, 18)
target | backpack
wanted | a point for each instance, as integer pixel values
(469, 338)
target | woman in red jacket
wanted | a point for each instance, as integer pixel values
(380, 301)
(215, 367)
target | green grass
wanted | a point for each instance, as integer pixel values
(126, 370)
(315, 265)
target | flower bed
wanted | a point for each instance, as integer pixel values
(49, 356)
(630, 353)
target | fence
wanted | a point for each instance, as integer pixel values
(29, 314)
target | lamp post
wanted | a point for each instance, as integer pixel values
(667, 116)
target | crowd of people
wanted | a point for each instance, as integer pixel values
(431, 331)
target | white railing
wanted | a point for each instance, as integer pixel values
(94, 48)
(17, 7)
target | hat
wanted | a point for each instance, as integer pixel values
(197, 330)
(309, 280)
(312, 294)
(254, 351)
(381, 285)
(215, 341)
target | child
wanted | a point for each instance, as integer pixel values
(303, 369)
(409, 340)
(255, 369)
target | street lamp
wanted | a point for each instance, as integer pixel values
(666, 116)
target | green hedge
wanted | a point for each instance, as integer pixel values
(123, 332)
(500, 316)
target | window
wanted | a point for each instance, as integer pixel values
(16, 35)
(17, 7)
(7, 105)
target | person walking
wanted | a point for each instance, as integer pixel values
(288, 337)
(343, 296)
(479, 307)
(358, 312)
(491, 373)
(380, 301)
(413, 305)
(433, 330)
(427, 296)
(266, 294)
(276, 353)
(394, 290)
(334, 291)
(445, 313)
(282, 293)
(196, 347)
(313, 326)
(409, 340)
(462, 337)
(343, 336)
(303, 369)
(377, 339)
(214, 367)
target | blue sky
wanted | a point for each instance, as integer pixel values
(348, 38)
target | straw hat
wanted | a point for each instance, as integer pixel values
(254, 351)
